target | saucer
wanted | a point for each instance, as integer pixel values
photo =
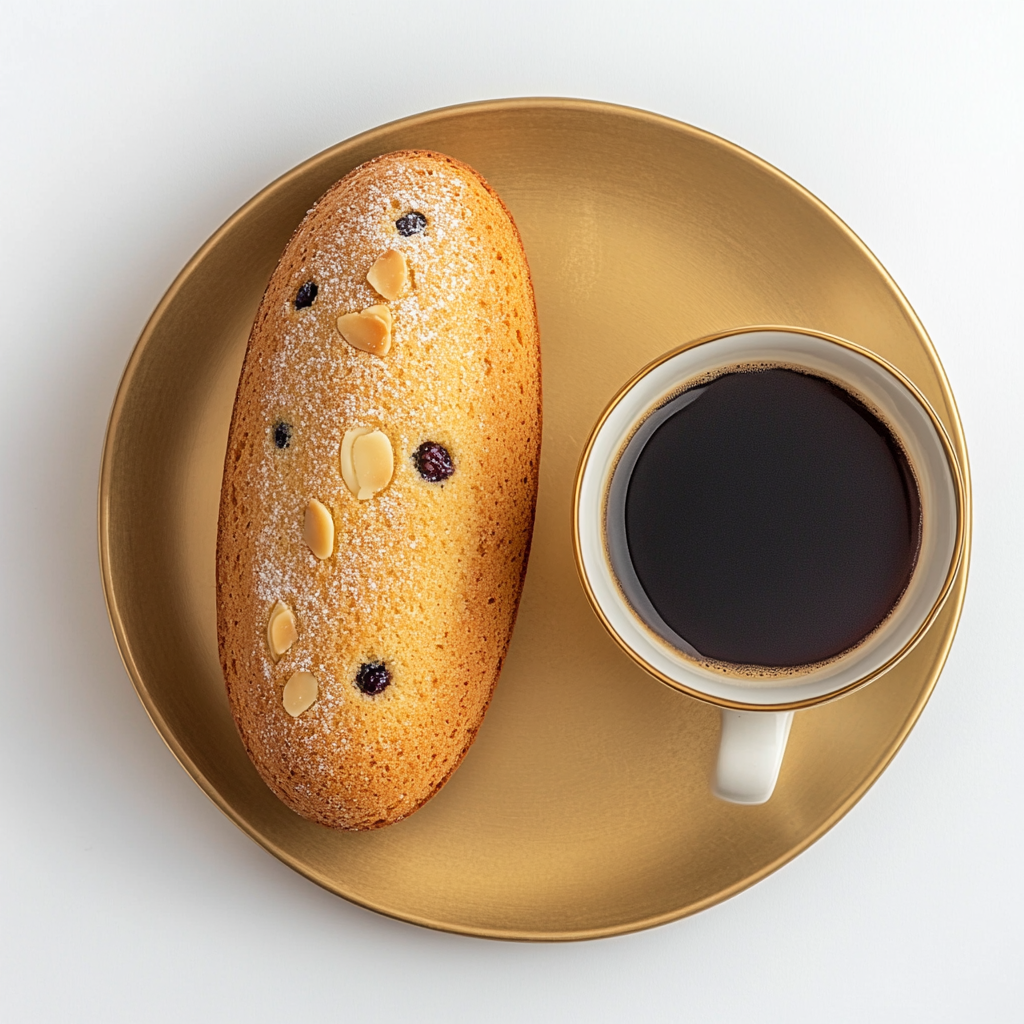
(584, 808)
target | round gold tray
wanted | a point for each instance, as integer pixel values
(584, 808)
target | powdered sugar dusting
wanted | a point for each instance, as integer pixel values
(378, 596)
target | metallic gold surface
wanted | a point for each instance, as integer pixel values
(959, 544)
(584, 808)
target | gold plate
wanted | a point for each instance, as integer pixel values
(584, 808)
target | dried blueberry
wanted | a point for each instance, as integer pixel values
(373, 677)
(433, 462)
(306, 295)
(282, 434)
(411, 223)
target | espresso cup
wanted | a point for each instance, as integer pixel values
(759, 695)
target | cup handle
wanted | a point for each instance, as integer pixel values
(750, 754)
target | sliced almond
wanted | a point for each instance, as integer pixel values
(318, 529)
(365, 332)
(300, 693)
(374, 462)
(348, 470)
(367, 461)
(390, 274)
(382, 312)
(281, 631)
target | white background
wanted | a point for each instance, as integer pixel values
(129, 132)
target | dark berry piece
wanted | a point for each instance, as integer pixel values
(282, 434)
(411, 223)
(373, 677)
(433, 462)
(306, 295)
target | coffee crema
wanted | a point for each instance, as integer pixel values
(769, 518)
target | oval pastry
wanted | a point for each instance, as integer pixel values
(379, 490)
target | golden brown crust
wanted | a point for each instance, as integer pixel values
(425, 577)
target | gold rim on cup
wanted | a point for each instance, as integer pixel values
(868, 677)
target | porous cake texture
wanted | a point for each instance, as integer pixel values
(357, 708)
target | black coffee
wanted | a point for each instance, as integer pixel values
(772, 520)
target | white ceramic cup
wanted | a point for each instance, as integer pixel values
(757, 712)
